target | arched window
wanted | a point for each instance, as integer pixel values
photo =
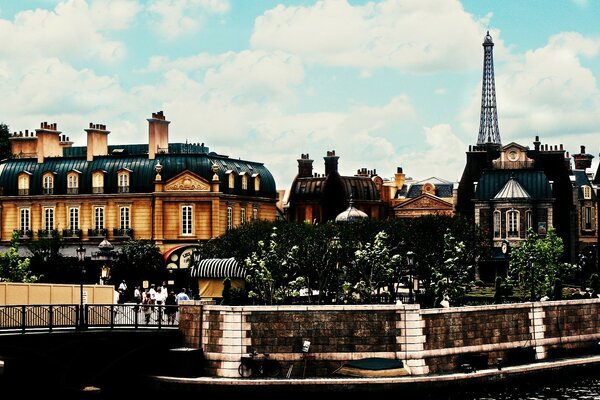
(73, 183)
(587, 192)
(23, 184)
(123, 179)
(497, 224)
(98, 182)
(512, 223)
(48, 183)
(244, 181)
(256, 183)
(528, 220)
(231, 179)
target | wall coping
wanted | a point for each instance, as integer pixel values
(328, 307)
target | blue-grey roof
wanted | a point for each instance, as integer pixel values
(181, 157)
(441, 190)
(533, 181)
(512, 190)
(582, 179)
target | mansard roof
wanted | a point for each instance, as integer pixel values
(582, 179)
(180, 157)
(512, 190)
(534, 182)
(311, 188)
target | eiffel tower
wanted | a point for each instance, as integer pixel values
(488, 124)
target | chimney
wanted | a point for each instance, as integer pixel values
(537, 143)
(158, 135)
(399, 178)
(65, 141)
(23, 144)
(305, 166)
(331, 162)
(48, 142)
(97, 141)
(582, 160)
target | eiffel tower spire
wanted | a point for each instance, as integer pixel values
(488, 124)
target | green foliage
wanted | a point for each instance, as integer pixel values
(12, 267)
(5, 150)
(138, 260)
(536, 264)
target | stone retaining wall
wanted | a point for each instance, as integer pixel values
(428, 340)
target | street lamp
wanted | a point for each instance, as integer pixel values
(531, 272)
(81, 258)
(410, 260)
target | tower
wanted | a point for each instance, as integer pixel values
(488, 124)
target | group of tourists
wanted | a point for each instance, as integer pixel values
(155, 295)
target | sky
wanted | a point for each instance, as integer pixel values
(385, 84)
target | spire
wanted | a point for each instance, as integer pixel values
(488, 125)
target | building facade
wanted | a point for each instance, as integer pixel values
(174, 194)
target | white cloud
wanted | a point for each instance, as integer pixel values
(182, 17)
(73, 30)
(389, 33)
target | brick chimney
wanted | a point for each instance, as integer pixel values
(582, 160)
(23, 144)
(97, 141)
(158, 135)
(331, 162)
(399, 178)
(305, 166)
(48, 141)
(65, 141)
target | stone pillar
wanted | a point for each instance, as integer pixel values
(412, 339)
(537, 330)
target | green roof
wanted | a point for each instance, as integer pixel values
(533, 181)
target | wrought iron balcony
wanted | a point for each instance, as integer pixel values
(23, 192)
(124, 189)
(25, 234)
(124, 233)
(99, 233)
(97, 189)
(47, 233)
(72, 233)
(73, 190)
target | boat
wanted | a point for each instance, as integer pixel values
(374, 367)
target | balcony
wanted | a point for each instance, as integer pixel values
(23, 192)
(73, 190)
(72, 234)
(25, 234)
(97, 189)
(48, 191)
(123, 189)
(123, 233)
(47, 233)
(97, 233)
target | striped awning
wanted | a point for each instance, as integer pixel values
(218, 268)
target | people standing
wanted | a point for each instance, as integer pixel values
(171, 307)
(182, 295)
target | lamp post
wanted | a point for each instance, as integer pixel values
(531, 273)
(410, 260)
(81, 258)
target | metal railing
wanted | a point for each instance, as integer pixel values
(111, 316)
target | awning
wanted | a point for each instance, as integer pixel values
(218, 268)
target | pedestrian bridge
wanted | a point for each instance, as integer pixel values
(51, 346)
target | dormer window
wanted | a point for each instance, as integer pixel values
(256, 178)
(73, 182)
(230, 178)
(98, 182)
(587, 192)
(244, 181)
(48, 183)
(24, 178)
(123, 180)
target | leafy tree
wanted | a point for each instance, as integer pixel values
(5, 150)
(138, 260)
(14, 268)
(536, 264)
(49, 264)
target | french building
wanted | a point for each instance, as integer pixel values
(174, 194)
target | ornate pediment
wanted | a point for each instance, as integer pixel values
(187, 181)
(425, 201)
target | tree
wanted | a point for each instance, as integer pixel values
(14, 268)
(137, 260)
(5, 150)
(536, 264)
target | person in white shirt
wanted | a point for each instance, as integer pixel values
(182, 295)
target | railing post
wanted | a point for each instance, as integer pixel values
(50, 317)
(23, 317)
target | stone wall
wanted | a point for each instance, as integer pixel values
(427, 340)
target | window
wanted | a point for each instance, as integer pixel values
(124, 218)
(244, 181)
(73, 218)
(587, 192)
(229, 217)
(186, 220)
(242, 215)
(23, 184)
(512, 221)
(25, 220)
(528, 220)
(48, 219)
(98, 182)
(497, 224)
(73, 183)
(255, 213)
(231, 179)
(257, 183)
(98, 218)
(123, 178)
(48, 183)
(587, 220)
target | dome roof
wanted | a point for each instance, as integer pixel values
(351, 214)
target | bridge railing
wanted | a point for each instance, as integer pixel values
(51, 316)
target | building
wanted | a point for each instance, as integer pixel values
(509, 189)
(433, 196)
(174, 194)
